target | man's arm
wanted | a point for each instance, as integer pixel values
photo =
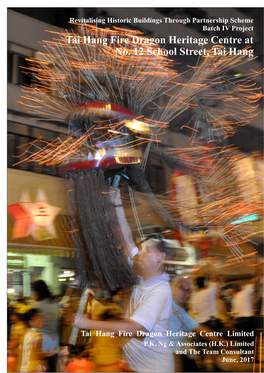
(129, 326)
(122, 221)
(144, 318)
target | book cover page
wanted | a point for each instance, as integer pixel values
(135, 189)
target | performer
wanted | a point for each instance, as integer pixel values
(93, 305)
(203, 303)
(105, 350)
(106, 100)
(150, 306)
(242, 307)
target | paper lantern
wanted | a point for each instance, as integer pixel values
(21, 220)
(33, 218)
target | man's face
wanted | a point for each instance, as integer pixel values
(181, 291)
(149, 257)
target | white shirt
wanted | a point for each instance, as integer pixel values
(203, 303)
(262, 298)
(151, 306)
(241, 303)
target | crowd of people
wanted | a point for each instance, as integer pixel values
(141, 329)
(114, 340)
(34, 332)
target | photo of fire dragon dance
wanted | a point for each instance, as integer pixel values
(135, 190)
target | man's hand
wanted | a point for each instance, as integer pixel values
(55, 351)
(81, 321)
(122, 220)
(68, 318)
(115, 196)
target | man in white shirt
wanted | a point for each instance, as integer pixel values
(203, 303)
(150, 306)
(242, 302)
(242, 308)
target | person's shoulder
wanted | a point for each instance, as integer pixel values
(248, 287)
(161, 290)
(194, 296)
(49, 303)
(212, 286)
(161, 286)
(176, 306)
(96, 303)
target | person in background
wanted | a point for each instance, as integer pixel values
(93, 305)
(104, 350)
(33, 359)
(121, 299)
(64, 302)
(262, 297)
(242, 306)
(104, 301)
(16, 339)
(181, 321)
(50, 328)
(203, 303)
